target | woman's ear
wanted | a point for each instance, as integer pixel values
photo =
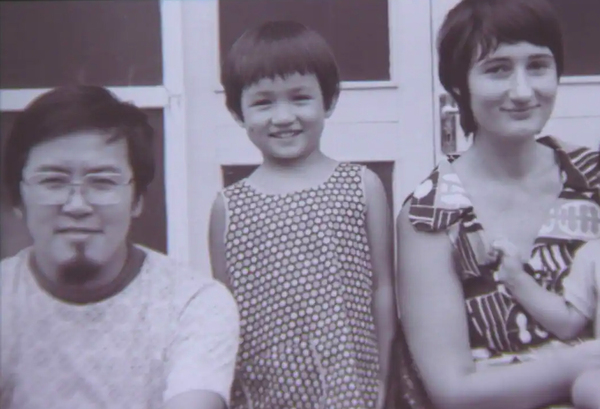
(138, 207)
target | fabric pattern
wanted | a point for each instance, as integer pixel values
(300, 269)
(171, 330)
(405, 388)
(497, 323)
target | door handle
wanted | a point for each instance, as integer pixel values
(449, 118)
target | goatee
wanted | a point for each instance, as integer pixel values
(80, 269)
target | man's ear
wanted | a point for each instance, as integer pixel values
(18, 212)
(138, 207)
(332, 105)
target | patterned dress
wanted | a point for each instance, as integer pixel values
(500, 330)
(299, 264)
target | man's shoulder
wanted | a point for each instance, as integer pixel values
(15, 281)
(183, 279)
(9, 268)
(15, 259)
(166, 265)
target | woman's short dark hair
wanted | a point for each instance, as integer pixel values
(276, 49)
(66, 110)
(474, 28)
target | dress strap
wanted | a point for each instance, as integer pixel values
(439, 201)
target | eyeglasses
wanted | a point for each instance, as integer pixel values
(56, 188)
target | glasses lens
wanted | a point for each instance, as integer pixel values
(44, 197)
(49, 188)
(52, 189)
(101, 197)
(104, 189)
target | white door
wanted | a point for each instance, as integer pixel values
(576, 117)
(387, 123)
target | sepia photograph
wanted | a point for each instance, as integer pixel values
(300, 204)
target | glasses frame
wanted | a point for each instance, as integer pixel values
(72, 187)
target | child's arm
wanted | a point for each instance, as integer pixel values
(379, 227)
(549, 309)
(216, 241)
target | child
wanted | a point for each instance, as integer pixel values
(564, 316)
(304, 242)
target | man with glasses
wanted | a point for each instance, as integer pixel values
(89, 319)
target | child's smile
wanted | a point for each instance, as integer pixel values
(285, 134)
(284, 116)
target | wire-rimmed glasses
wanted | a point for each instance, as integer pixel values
(50, 188)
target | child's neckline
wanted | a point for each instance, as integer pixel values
(261, 192)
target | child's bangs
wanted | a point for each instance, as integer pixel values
(278, 59)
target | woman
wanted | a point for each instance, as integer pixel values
(500, 60)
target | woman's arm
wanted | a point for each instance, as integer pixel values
(549, 309)
(433, 315)
(585, 393)
(216, 241)
(379, 225)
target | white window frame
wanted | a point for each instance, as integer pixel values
(171, 99)
(580, 79)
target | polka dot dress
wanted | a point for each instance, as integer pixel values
(300, 268)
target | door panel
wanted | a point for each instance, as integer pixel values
(581, 32)
(51, 43)
(343, 23)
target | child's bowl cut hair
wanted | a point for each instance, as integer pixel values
(475, 28)
(276, 49)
